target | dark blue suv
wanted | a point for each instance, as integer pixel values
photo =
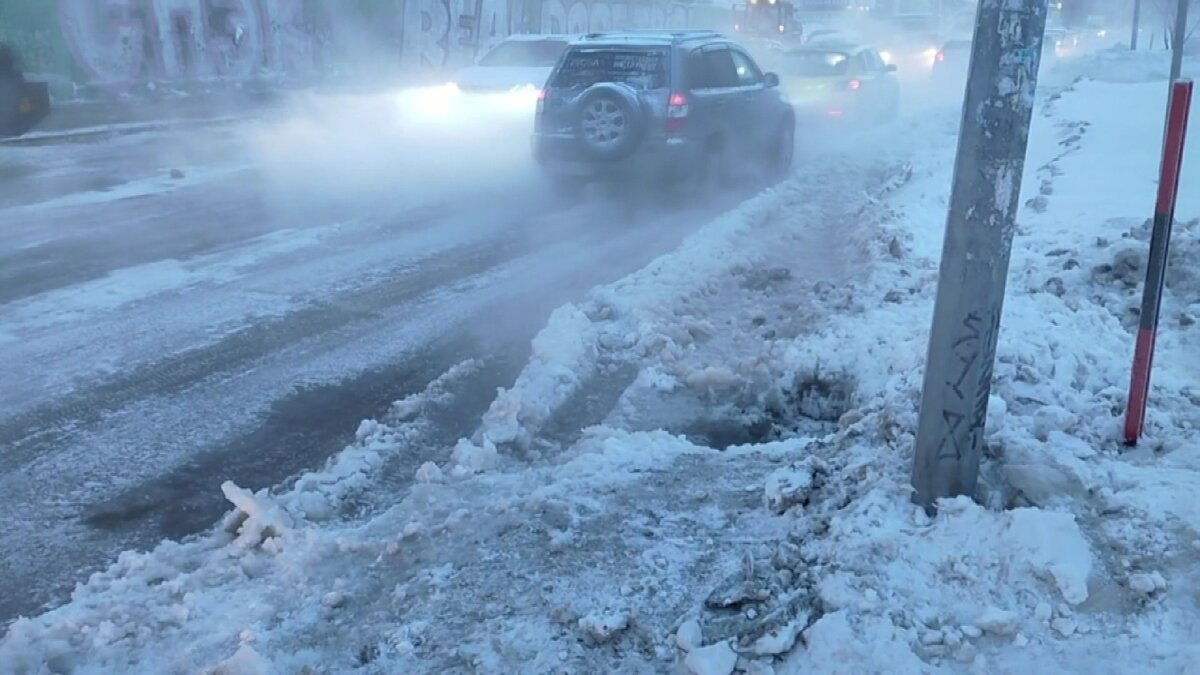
(670, 107)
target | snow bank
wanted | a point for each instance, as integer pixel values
(1118, 64)
(635, 549)
(1055, 582)
(661, 316)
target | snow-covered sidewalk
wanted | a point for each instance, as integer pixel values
(739, 498)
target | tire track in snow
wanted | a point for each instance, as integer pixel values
(166, 468)
(42, 429)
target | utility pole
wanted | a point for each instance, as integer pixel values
(1180, 37)
(1137, 14)
(979, 232)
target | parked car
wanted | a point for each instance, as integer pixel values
(840, 82)
(676, 108)
(22, 104)
(520, 61)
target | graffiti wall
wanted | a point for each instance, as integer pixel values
(124, 41)
(116, 45)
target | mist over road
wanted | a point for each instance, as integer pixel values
(180, 308)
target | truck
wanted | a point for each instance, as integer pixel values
(765, 18)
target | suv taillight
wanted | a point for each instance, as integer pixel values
(541, 111)
(677, 111)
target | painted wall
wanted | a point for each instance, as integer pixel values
(86, 46)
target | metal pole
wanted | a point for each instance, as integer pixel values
(1137, 13)
(1156, 266)
(979, 231)
(1180, 37)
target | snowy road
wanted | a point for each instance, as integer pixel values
(702, 466)
(176, 312)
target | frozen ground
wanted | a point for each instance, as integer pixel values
(180, 309)
(703, 466)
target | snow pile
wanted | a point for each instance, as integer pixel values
(1118, 64)
(661, 317)
(1065, 579)
(639, 546)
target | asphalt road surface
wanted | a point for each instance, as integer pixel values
(185, 306)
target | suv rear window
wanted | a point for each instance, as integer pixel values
(816, 63)
(639, 68)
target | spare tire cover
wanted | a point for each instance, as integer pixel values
(610, 120)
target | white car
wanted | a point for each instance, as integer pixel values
(519, 62)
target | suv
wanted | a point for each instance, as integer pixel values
(672, 107)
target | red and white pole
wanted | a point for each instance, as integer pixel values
(1156, 268)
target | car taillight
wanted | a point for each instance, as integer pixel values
(677, 110)
(854, 85)
(540, 112)
(940, 56)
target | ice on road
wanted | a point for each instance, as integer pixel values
(179, 309)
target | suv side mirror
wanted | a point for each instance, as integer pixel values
(891, 67)
(771, 80)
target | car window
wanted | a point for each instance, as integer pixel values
(747, 71)
(525, 53)
(712, 69)
(874, 60)
(697, 71)
(814, 63)
(639, 68)
(862, 64)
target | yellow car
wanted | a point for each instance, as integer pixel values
(839, 82)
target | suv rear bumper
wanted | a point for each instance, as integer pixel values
(657, 157)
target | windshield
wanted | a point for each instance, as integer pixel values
(816, 64)
(525, 53)
(639, 68)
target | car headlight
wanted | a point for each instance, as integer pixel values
(435, 102)
(886, 56)
(523, 96)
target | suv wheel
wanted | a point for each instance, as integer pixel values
(710, 174)
(782, 150)
(611, 122)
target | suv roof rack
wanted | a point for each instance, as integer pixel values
(674, 35)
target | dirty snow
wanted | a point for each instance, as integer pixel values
(639, 546)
